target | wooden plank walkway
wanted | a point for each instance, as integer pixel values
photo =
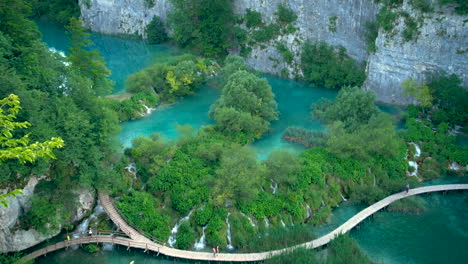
(138, 240)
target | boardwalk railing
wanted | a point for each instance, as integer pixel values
(137, 240)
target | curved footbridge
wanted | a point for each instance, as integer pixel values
(139, 240)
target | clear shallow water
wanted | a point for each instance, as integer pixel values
(123, 56)
(389, 237)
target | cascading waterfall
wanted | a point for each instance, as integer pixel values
(309, 211)
(415, 166)
(250, 220)
(172, 238)
(282, 223)
(131, 168)
(84, 225)
(342, 197)
(418, 150)
(267, 223)
(455, 166)
(274, 186)
(229, 245)
(201, 243)
(148, 110)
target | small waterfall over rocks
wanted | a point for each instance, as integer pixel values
(274, 186)
(172, 238)
(342, 197)
(201, 243)
(148, 110)
(455, 166)
(85, 224)
(309, 211)
(267, 223)
(415, 166)
(131, 168)
(229, 245)
(250, 220)
(282, 223)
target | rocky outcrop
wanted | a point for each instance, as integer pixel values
(116, 17)
(14, 239)
(441, 45)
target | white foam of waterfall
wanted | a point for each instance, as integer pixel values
(84, 225)
(274, 186)
(418, 150)
(342, 197)
(172, 238)
(131, 168)
(415, 166)
(61, 53)
(309, 211)
(148, 110)
(250, 220)
(267, 223)
(201, 243)
(455, 166)
(107, 246)
(282, 223)
(229, 245)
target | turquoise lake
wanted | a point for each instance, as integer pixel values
(439, 235)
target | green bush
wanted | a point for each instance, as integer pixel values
(185, 236)
(413, 204)
(344, 249)
(422, 5)
(252, 18)
(284, 14)
(371, 34)
(91, 248)
(461, 6)
(332, 23)
(155, 31)
(330, 67)
(266, 33)
(280, 237)
(287, 55)
(299, 255)
(142, 210)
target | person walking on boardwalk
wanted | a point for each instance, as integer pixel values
(214, 252)
(217, 250)
(407, 188)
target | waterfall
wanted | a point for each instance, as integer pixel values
(273, 186)
(250, 220)
(131, 168)
(84, 225)
(148, 110)
(201, 243)
(309, 211)
(455, 166)
(61, 53)
(323, 203)
(282, 223)
(415, 166)
(172, 238)
(342, 197)
(229, 245)
(418, 150)
(267, 223)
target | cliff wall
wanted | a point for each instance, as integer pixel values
(441, 44)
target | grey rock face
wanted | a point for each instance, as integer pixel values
(14, 239)
(440, 46)
(121, 16)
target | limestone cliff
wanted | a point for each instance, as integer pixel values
(441, 44)
(13, 238)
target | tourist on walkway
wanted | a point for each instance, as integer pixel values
(214, 252)
(407, 188)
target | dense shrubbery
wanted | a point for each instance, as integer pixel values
(330, 67)
(246, 105)
(162, 82)
(429, 125)
(59, 11)
(412, 204)
(155, 31)
(205, 26)
(252, 18)
(60, 101)
(143, 210)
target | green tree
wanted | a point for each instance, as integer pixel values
(237, 178)
(155, 31)
(420, 91)
(283, 166)
(205, 25)
(246, 105)
(352, 106)
(89, 63)
(19, 148)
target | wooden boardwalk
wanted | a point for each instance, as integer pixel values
(139, 240)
